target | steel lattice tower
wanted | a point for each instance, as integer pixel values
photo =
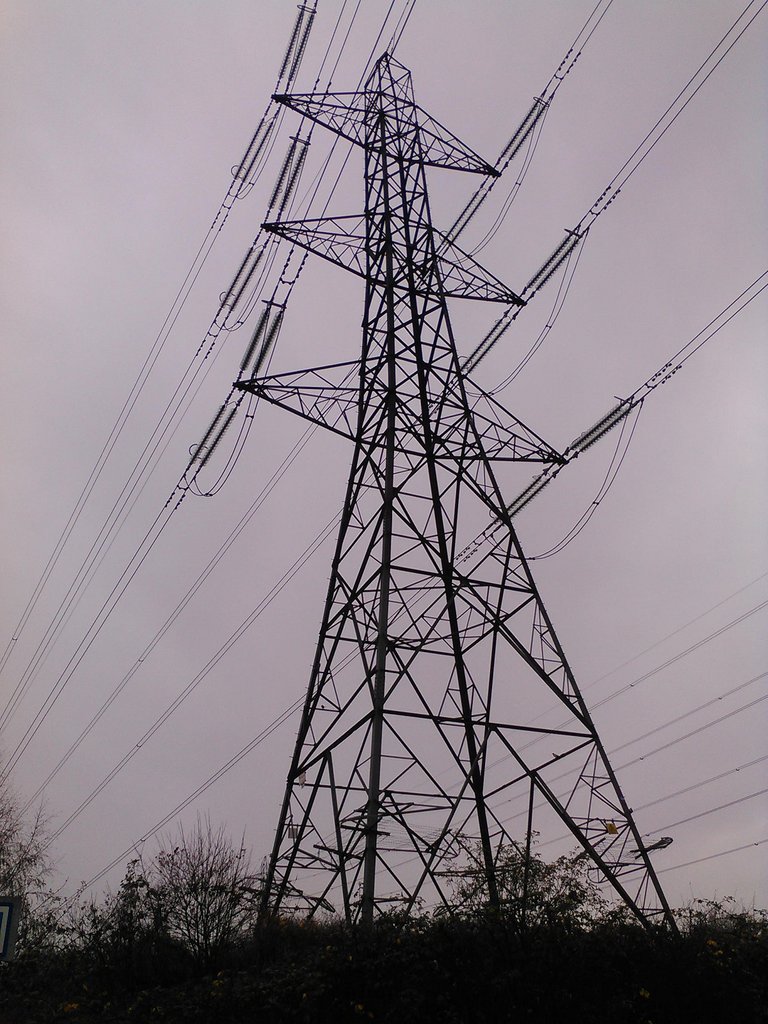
(417, 728)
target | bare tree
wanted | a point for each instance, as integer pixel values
(23, 864)
(206, 888)
(25, 867)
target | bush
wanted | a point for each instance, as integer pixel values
(532, 892)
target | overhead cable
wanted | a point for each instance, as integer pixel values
(655, 671)
(147, 461)
(265, 733)
(710, 810)
(704, 782)
(234, 637)
(650, 753)
(712, 856)
(171, 619)
(527, 132)
(611, 192)
(679, 792)
(138, 385)
(618, 413)
(153, 533)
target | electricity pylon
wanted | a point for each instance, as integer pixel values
(432, 674)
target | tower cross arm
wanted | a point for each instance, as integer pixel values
(325, 395)
(347, 114)
(342, 241)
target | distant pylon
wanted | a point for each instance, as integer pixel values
(431, 674)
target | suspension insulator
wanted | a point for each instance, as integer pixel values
(525, 128)
(217, 439)
(293, 178)
(498, 329)
(291, 42)
(214, 423)
(467, 213)
(247, 279)
(616, 415)
(256, 147)
(244, 274)
(237, 171)
(255, 339)
(501, 326)
(225, 297)
(283, 174)
(528, 494)
(269, 341)
(301, 48)
(558, 257)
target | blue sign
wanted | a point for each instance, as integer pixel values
(10, 907)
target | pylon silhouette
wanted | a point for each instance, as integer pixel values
(431, 671)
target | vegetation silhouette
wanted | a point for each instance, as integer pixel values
(180, 940)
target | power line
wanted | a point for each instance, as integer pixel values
(143, 468)
(575, 448)
(630, 165)
(135, 563)
(704, 782)
(692, 648)
(135, 391)
(687, 714)
(563, 290)
(714, 634)
(233, 761)
(202, 577)
(711, 810)
(401, 26)
(148, 542)
(286, 714)
(201, 675)
(122, 582)
(678, 360)
(712, 856)
(679, 792)
(568, 62)
(619, 412)
(529, 131)
(611, 192)
(683, 654)
(649, 674)
(657, 750)
(49, 638)
(390, 8)
(614, 467)
(695, 732)
(679, 629)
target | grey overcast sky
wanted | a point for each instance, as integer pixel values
(121, 122)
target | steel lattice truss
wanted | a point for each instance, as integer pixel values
(420, 721)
